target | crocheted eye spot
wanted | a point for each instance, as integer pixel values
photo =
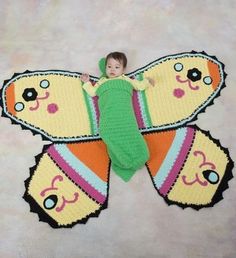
(194, 74)
(30, 94)
(44, 84)
(207, 80)
(211, 176)
(178, 67)
(50, 202)
(19, 106)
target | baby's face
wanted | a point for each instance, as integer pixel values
(114, 68)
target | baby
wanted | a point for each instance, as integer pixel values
(117, 124)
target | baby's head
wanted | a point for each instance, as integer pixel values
(115, 64)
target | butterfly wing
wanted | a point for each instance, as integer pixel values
(69, 183)
(51, 103)
(188, 167)
(185, 84)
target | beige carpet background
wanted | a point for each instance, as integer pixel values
(72, 35)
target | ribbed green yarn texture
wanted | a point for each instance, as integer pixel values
(118, 128)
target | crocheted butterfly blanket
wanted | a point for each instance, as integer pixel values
(70, 180)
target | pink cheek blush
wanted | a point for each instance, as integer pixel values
(52, 108)
(178, 93)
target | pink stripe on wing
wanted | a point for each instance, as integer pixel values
(72, 174)
(95, 103)
(179, 162)
(137, 110)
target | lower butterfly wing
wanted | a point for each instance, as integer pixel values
(69, 183)
(188, 167)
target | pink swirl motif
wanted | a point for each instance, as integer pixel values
(37, 101)
(76, 197)
(203, 163)
(64, 200)
(56, 178)
(188, 81)
(202, 183)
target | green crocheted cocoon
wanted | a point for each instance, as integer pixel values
(118, 128)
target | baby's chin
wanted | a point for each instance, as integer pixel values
(110, 76)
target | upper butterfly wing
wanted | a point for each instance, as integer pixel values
(51, 103)
(185, 84)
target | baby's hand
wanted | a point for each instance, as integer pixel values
(84, 77)
(151, 81)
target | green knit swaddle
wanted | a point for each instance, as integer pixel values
(118, 128)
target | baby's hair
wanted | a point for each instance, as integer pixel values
(121, 57)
